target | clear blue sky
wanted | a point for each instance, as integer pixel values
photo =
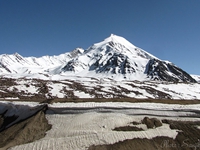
(168, 29)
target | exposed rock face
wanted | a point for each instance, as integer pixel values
(161, 70)
(25, 131)
(118, 63)
(149, 123)
(157, 122)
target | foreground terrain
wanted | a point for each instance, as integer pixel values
(100, 125)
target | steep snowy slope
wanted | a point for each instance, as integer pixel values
(166, 71)
(196, 77)
(114, 58)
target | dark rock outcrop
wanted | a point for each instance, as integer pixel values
(151, 122)
(25, 131)
(161, 70)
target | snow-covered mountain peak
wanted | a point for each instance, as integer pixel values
(118, 45)
(114, 57)
(16, 54)
(77, 52)
(117, 58)
(114, 40)
(118, 39)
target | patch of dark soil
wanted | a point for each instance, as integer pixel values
(127, 128)
(135, 123)
(131, 100)
(187, 139)
(25, 131)
(48, 101)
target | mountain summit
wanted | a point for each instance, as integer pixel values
(114, 57)
(117, 58)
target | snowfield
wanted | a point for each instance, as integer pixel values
(80, 125)
(83, 130)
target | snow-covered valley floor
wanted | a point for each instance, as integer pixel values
(77, 126)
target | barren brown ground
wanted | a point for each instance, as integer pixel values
(131, 100)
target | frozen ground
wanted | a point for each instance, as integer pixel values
(80, 125)
(79, 131)
(77, 87)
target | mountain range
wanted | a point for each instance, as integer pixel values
(114, 58)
